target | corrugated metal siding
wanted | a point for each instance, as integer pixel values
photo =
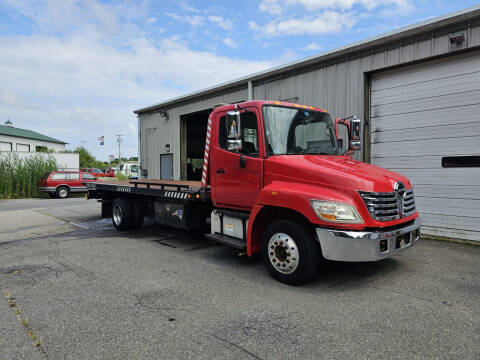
(420, 114)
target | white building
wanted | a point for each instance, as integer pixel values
(23, 140)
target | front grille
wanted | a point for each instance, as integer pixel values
(389, 206)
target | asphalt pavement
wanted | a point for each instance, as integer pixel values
(72, 287)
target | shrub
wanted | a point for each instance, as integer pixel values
(19, 177)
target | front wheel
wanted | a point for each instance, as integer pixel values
(290, 252)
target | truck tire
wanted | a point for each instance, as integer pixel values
(290, 252)
(62, 192)
(123, 216)
(139, 210)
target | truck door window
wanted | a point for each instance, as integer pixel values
(249, 134)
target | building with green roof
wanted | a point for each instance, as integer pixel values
(23, 140)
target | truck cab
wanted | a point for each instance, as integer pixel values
(286, 168)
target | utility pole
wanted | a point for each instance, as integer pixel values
(119, 140)
(83, 143)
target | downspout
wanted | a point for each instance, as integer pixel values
(250, 91)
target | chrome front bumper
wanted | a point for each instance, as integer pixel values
(352, 246)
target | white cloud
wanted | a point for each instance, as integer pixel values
(277, 7)
(151, 20)
(271, 6)
(229, 42)
(324, 23)
(194, 20)
(220, 21)
(313, 46)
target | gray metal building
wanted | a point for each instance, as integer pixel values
(417, 90)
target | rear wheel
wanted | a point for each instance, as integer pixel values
(290, 252)
(123, 216)
(62, 192)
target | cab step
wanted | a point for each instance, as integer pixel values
(230, 241)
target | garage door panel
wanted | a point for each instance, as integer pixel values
(447, 191)
(445, 147)
(443, 206)
(427, 133)
(440, 87)
(418, 105)
(407, 162)
(458, 222)
(458, 115)
(5, 146)
(426, 72)
(459, 177)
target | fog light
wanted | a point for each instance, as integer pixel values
(383, 245)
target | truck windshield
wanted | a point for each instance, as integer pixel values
(297, 131)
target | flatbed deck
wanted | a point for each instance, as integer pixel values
(191, 185)
(172, 189)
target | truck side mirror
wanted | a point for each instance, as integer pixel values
(234, 131)
(355, 133)
(348, 131)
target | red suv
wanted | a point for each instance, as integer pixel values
(61, 183)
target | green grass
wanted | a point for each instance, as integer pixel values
(19, 177)
(122, 177)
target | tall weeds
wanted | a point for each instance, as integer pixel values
(19, 177)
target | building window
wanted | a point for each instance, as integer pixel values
(460, 161)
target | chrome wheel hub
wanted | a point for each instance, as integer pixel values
(283, 253)
(63, 193)
(117, 215)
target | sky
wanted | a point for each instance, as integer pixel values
(76, 70)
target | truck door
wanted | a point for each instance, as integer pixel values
(237, 174)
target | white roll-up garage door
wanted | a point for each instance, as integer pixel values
(5, 146)
(421, 114)
(23, 147)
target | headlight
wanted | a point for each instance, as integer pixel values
(336, 212)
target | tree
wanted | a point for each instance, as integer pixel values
(87, 160)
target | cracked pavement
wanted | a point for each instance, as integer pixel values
(88, 291)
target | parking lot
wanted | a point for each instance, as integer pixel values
(74, 288)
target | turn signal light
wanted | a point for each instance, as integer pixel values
(330, 217)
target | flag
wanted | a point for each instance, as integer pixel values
(101, 140)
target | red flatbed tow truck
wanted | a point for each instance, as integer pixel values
(277, 178)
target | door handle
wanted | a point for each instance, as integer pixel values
(221, 171)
